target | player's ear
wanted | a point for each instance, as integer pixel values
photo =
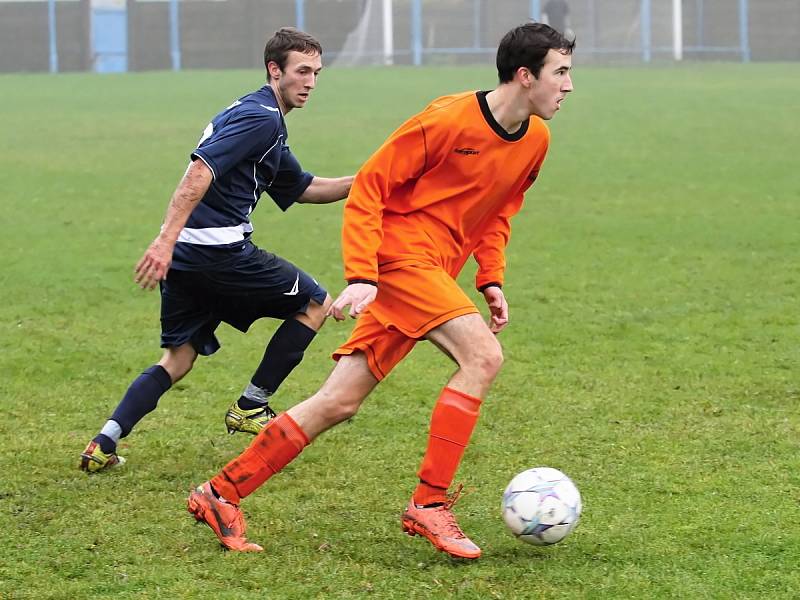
(273, 70)
(525, 76)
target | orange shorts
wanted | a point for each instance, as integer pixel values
(411, 301)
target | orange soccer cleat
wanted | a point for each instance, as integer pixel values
(439, 525)
(225, 519)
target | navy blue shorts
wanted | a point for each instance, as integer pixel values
(261, 284)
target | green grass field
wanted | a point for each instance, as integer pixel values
(653, 351)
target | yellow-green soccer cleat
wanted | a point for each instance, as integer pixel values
(93, 459)
(247, 421)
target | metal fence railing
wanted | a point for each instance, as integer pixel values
(120, 35)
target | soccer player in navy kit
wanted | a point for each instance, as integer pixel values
(205, 263)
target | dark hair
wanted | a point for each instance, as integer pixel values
(526, 46)
(288, 39)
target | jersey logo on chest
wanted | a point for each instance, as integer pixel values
(467, 151)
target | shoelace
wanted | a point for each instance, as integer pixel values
(267, 411)
(453, 498)
(448, 517)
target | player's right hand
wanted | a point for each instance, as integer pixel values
(153, 265)
(498, 307)
(356, 295)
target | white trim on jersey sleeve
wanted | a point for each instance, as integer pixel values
(210, 168)
(215, 236)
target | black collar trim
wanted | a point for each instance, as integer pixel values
(498, 129)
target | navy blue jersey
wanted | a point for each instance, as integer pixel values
(245, 148)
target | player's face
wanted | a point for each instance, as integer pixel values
(546, 93)
(298, 78)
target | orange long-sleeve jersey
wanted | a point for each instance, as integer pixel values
(441, 188)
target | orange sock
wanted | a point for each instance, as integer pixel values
(274, 447)
(453, 420)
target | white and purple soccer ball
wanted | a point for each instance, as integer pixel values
(541, 506)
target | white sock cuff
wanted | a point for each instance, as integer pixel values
(113, 430)
(256, 394)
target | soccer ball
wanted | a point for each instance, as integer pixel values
(541, 506)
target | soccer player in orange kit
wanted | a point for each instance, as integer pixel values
(442, 188)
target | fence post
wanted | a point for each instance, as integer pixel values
(677, 29)
(744, 33)
(175, 35)
(416, 31)
(51, 24)
(300, 15)
(388, 32)
(644, 25)
(536, 10)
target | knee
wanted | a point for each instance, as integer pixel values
(487, 360)
(345, 409)
(314, 316)
(340, 407)
(177, 362)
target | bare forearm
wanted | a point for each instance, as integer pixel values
(187, 195)
(324, 190)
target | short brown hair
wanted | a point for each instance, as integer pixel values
(288, 39)
(526, 46)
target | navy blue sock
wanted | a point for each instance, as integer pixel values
(141, 398)
(107, 445)
(284, 352)
(246, 404)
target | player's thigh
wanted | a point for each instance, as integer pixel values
(467, 340)
(382, 348)
(187, 312)
(266, 285)
(418, 298)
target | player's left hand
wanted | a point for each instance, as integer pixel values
(498, 307)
